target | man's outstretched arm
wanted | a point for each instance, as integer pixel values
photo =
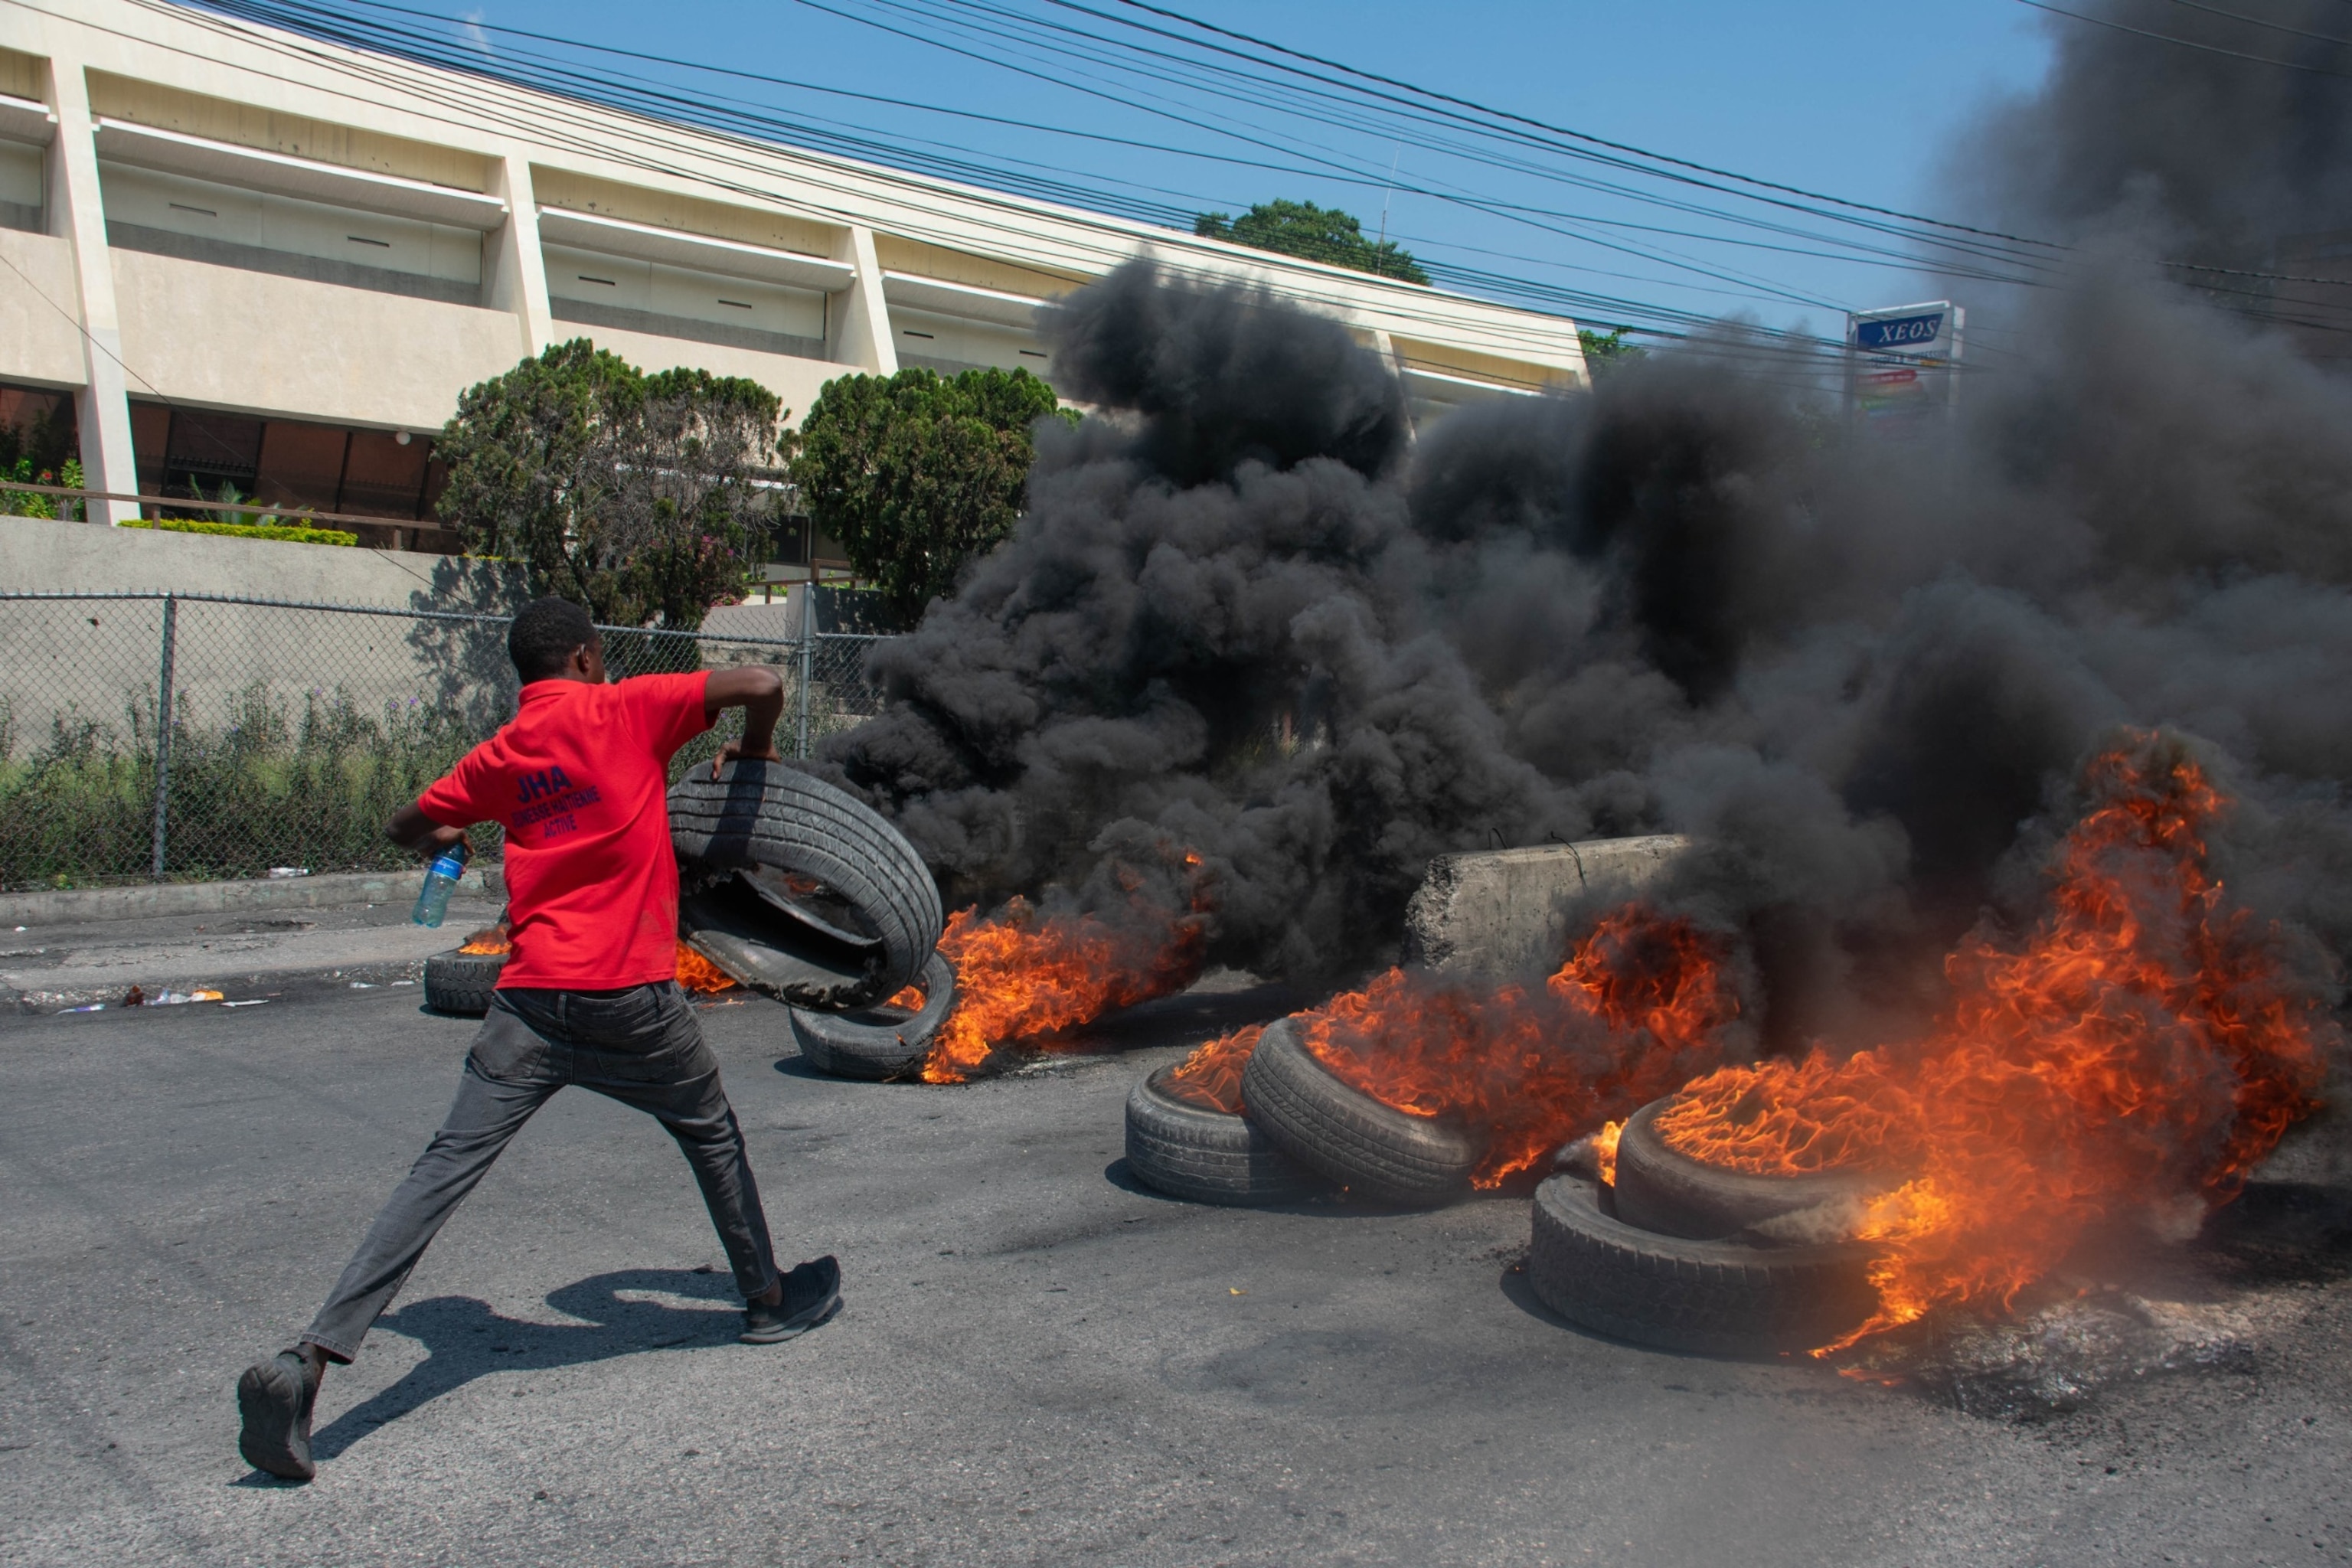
(760, 692)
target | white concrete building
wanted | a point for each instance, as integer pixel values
(236, 255)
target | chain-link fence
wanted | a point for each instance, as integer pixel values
(192, 736)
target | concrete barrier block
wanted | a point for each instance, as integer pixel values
(1505, 909)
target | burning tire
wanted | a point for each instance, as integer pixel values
(1370, 1149)
(1204, 1154)
(1716, 1297)
(879, 1044)
(799, 890)
(1661, 1189)
(460, 983)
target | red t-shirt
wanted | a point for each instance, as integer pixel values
(580, 779)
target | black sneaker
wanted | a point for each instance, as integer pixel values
(812, 1294)
(275, 1398)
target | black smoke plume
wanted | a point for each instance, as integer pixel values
(1248, 615)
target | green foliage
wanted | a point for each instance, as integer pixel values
(638, 496)
(916, 473)
(271, 787)
(66, 475)
(1318, 234)
(287, 531)
(1605, 353)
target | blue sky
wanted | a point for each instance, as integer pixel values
(1864, 101)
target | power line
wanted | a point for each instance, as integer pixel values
(663, 109)
(316, 21)
(2259, 22)
(1554, 130)
(2184, 43)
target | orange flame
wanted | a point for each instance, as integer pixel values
(1021, 976)
(1211, 1076)
(1641, 1003)
(1604, 1150)
(696, 973)
(490, 939)
(2132, 1058)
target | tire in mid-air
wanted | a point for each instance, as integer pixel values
(798, 890)
(1191, 1150)
(1372, 1151)
(882, 1043)
(1678, 1293)
(460, 983)
(1662, 1189)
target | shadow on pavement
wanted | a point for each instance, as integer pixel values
(464, 1338)
(796, 1066)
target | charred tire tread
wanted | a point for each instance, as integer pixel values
(1202, 1155)
(1372, 1150)
(1715, 1298)
(804, 825)
(876, 1050)
(460, 983)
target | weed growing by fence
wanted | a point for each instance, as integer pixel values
(277, 784)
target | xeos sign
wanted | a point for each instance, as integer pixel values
(1900, 367)
(1918, 333)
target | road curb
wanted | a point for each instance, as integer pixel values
(75, 905)
(38, 1002)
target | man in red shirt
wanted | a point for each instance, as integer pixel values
(579, 779)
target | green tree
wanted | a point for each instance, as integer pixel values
(643, 497)
(917, 473)
(1603, 354)
(1318, 234)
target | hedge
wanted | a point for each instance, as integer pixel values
(249, 531)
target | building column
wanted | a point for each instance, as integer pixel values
(858, 320)
(1385, 346)
(78, 214)
(519, 272)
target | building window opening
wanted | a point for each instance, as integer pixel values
(187, 454)
(261, 231)
(653, 297)
(22, 187)
(40, 443)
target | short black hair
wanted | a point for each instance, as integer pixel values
(544, 634)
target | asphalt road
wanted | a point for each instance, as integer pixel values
(240, 952)
(1036, 1363)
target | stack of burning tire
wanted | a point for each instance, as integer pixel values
(1638, 1240)
(1286, 1128)
(804, 893)
(1649, 1244)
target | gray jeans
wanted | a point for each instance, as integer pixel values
(643, 1048)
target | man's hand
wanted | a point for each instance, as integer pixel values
(410, 829)
(765, 753)
(760, 692)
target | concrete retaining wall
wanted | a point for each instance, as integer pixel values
(1505, 910)
(38, 555)
(99, 658)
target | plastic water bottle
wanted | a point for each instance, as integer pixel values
(440, 881)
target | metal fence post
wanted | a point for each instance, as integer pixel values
(808, 661)
(163, 731)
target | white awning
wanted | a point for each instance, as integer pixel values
(1439, 387)
(25, 120)
(965, 299)
(733, 258)
(250, 168)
